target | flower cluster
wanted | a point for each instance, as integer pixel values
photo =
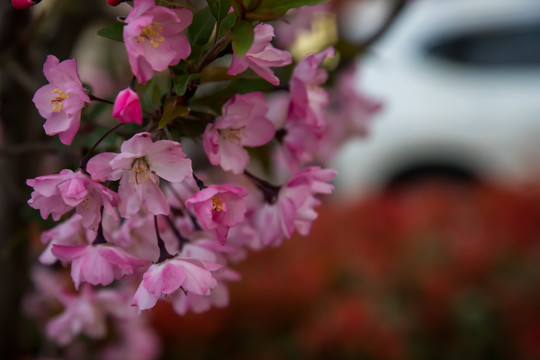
(163, 220)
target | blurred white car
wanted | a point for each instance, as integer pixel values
(460, 84)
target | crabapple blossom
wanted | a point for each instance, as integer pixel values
(85, 313)
(47, 285)
(165, 278)
(139, 166)
(293, 207)
(242, 123)
(218, 297)
(298, 21)
(305, 123)
(59, 193)
(137, 236)
(136, 340)
(70, 232)
(154, 39)
(261, 56)
(60, 102)
(205, 247)
(243, 236)
(97, 264)
(308, 99)
(127, 107)
(218, 207)
(318, 180)
(200, 227)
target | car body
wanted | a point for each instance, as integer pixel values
(460, 85)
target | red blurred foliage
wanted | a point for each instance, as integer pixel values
(432, 271)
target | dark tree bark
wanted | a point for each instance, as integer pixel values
(23, 48)
(19, 124)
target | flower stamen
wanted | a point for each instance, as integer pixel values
(58, 101)
(217, 204)
(234, 136)
(152, 33)
(141, 173)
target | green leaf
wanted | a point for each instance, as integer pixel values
(282, 6)
(172, 110)
(151, 95)
(227, 24)
(242, 37)
(201, 28)
(114, 31)
(219, 8)
(181, 82)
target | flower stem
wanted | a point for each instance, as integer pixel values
(86, 158)
(212, 53)
(95, 98)
(270, 191)
(180, 212)
(181, 239)
(100, 238)
(163, 253)
(199, 182)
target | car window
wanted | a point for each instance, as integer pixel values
(518, 46)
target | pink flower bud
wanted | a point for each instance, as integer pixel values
(114, 2)
(127, 107)
(23, 4)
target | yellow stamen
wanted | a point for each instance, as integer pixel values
(234, 135)
(141, 173)
(152, 33)
(58, 101)
(217, 204)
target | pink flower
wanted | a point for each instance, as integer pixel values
(297, 21)
(23, 4)
(305, 122)
(70, 232)
(261, 56)
(218, 207)
(167, 277)
(137, 235)
(294, 205)
(61, 101)
(139, 166)
(301, 141)
(59, 193)
(318, 180)
(218, 297)
(127, 107)
(205, 247)
(154, 38)
(85, 313)
(97, 264)
(242, 123)
(308, 99)
(135, 339)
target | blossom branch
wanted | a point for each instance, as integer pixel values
(86, 158)
(181, 239)
(95, 98)
(100, 237)
(270, 191)
(163, 253)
